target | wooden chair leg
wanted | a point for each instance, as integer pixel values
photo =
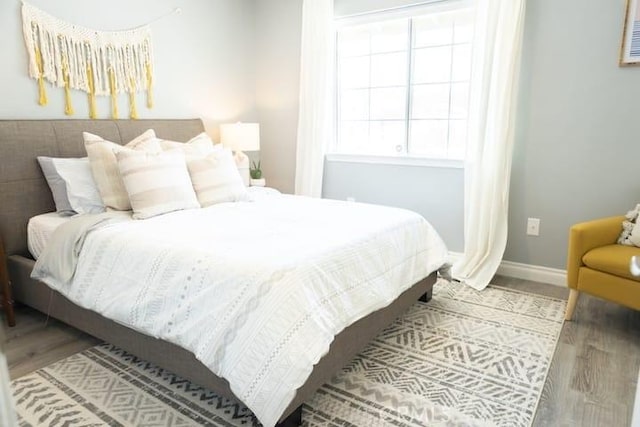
(571, 304)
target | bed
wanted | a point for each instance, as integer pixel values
(24, 194)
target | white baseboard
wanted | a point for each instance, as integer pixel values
(535, 273)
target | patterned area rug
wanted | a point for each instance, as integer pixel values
(464, 358)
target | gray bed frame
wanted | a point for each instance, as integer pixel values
(24, 193)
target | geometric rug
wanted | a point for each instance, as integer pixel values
(466, 357)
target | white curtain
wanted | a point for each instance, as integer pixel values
(315, 117)
(492, 109)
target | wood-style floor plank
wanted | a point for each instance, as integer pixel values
(593, 376)
(591, 382)
(36, 342)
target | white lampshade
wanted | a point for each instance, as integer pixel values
(240, 136)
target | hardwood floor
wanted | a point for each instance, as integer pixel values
(36, 342)
(593, 376)
(592, 381)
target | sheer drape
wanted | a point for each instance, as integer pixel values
(494, 83)
(315, 117)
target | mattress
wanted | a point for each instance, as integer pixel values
(40, 228)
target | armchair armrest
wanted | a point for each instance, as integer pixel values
(586, 236)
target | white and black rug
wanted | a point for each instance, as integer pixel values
(464, 358)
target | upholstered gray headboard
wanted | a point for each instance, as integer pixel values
(23, 190)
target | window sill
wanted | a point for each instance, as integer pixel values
(395, 160)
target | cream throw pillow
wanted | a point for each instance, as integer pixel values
(216, 178)
(199, 146)
(156, 183)
(104, 165)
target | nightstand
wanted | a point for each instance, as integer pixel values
(5, 288)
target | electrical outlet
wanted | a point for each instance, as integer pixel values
(533, 226)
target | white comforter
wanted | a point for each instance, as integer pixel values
(256, 290)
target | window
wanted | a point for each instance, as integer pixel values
(403, 85)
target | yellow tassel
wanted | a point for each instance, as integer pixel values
(68, 108)
(132, 100)
(92, 92)
(149, 86)
(114, 95)
(41, 89)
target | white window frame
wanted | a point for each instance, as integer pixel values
(410, 11)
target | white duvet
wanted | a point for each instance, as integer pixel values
(256, 290)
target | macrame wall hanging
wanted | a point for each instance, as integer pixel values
(100, 63)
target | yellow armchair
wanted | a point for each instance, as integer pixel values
(599, 266)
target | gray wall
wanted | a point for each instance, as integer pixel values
(577, 146)
(277, 55)
(426, 190)
(204, 59)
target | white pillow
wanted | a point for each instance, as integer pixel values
(56, 184)
(216, 179)
(199, 146)
(156, 183)
(630, 234)
(104, 165)
(82, 191)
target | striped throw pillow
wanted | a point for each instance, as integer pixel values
(199, 146)
(156, 183)
(216, 178)
(104, 165)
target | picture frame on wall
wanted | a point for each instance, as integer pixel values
(630, 49)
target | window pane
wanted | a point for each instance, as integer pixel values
(389, 36)
(375, 85)
(463, 29)
(354, 72)
(353, 137)
(353, 41)
(389, 69)
(461, 66)
(459, 100)
(354, 104)
(387, 138)
(428, 138)
(388, 103)
(432, 65)
(430, 101)
(433, 30)
(457, 139)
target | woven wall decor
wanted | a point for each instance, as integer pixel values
(100, 63)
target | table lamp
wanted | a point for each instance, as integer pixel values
(241, 137)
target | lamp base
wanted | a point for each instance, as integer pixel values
(242, 162)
